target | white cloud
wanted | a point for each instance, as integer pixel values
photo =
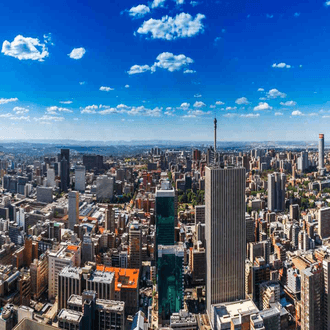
(189, 71)
(181, 26)
(196, 113)
(27, 118)
(216, 40)
(172, 62)
(219, 103)
(20, 110)
(77, 53)
(278, 113)
(269, 16)
(281, 65)
(230, 115)
(138, 69)
(139, 11)
(108, 111)
(157, 3)
(251, 115)
(274, 93)
(261, 90)
(230, 108)
(198, 95)
(126, 86)
(6, 115)
(25, 49)
(296, 14)
(90, 109)
(4, 101)
(65, 102)
(199, 104)
(48, 39)
(297, 113)
(106, 89)
(82, 82)
(47, 118)
(194, 3)
(212, 106)
(185, 105)
(289, 103)
(242, 100)
(179, 2)
(262, 106)
(54, 110)
(327, 3)
(167, 61)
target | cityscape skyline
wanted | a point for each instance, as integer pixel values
(79, 86)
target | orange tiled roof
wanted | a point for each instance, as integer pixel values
(127, 277)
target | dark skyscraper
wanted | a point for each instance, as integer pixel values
(64, 174)
(65, 153)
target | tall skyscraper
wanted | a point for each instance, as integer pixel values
(80, 178)
(321, 152)
(65, 154)
(165, 214)
(170, 280)
(135, 245)
(312, 316)
(276, 191)
(73, 209)
(64, 175)
(225, 234)
(215, 135)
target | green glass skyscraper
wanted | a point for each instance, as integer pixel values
(170, 280)
(165, 215)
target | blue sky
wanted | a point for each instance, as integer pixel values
(139, 70)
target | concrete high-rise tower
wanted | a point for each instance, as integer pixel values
(73, 209)
(276, 191)
(321, 151)
(225, 234)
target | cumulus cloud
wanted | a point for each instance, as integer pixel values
(167, 61)
(281, 65)
(47, 118)
(55, 109)
(25, 49)
(242, 100)
(289, 103)
(139, 11)
(20, 110)
(48, 39)
(262, 106)
(198, 95)
(126, 86)
(274, 93)
(4, 101)
(278, 113)
(296, 14)
(230, 115)
(261, 90)
(82, 82)
(251, 115)
(65, 102)
(77, 53)
(199, 104)
(185, 105)
(168, 28)
(106, 89)
(219, 103)
(196, 113)
(194, 3)
(157, 3)
(230, 108)
(122, 109)
(135, 69)
(189, 71)
(297, 113)
(327, 3)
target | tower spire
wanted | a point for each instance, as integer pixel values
(215, 132)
